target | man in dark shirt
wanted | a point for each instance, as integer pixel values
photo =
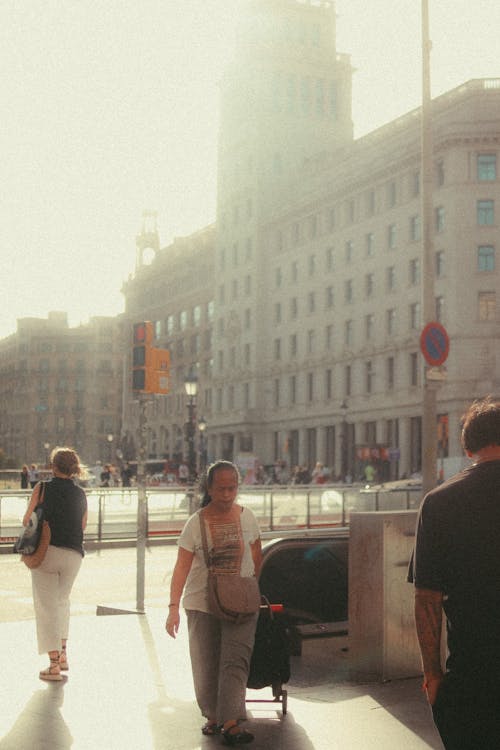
(456, 569)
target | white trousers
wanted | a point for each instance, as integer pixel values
(52, 583)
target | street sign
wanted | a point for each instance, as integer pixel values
(435, 344)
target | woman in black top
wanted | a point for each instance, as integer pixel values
(65, 506)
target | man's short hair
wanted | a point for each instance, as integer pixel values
(481, 425)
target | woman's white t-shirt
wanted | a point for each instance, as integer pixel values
(232, 543)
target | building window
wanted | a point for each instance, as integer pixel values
(170, 324)
(391, 321)
(248, 285)
(329, 336)
(277, 348)
(292, 387)
(295, 233)
(439, 218)
(486, 167)
(310, 342)
(183, 320)
(328, 384)
(439, 309)
(348, 290)
(486, 258)
(294, 307)
(210, 310)
(348, 333)
(349, 251)
(295, 271)
(329, 297)
(369, 377)
(310, 386)
(391, 236)
(293, 345)
(247, 356)
(369, 325)
(440, 263)
(278, 277)
(415, 229)
(312, 265)
(390, 278)
(485, 213)
(248, 318)
(487, 305)
(369, 284)
(276, 392)
(329, 257)
(415, 316)
(311, 298)
(197, 315)
(246, 395)
(390, 373)
(347, 380)
(413, 368)
(415, 271)
(277, 312)
(230, 397)
(370, 244)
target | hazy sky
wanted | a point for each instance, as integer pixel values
(109, 107)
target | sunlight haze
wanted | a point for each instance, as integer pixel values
(110, 108)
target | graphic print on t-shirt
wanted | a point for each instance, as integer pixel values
(227, 546)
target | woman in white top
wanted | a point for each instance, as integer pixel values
(220, 650)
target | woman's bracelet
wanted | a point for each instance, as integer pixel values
(172, 605)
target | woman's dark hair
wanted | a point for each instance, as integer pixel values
(481, 425)
(208, 478)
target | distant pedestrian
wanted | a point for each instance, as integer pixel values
(24, 477)
(65, 506)
(105, 475)
(33, 475)
(456, 569)
(126, 475)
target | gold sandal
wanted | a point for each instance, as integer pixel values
(53, 672)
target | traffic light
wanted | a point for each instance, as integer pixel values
(141, 356)
(150, 366)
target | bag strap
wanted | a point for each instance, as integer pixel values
(41, 492)
(204, 539)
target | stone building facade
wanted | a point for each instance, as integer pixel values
(61, 386)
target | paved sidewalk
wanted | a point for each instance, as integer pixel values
(129, 687)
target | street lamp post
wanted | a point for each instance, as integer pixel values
(46, 446)
(202, 426)
(191, 386)
(109, 438)
(344, 442)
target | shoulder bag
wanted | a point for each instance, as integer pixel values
(34, 539)
(230, 597)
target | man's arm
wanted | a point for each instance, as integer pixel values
(428, 620)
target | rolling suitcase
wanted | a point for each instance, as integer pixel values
(270, 664)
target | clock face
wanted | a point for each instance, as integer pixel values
(148, 256)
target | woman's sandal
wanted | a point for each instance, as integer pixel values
(63, 661)
(238, 737)
(210, 728)
(52, 673)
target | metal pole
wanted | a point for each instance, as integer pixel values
(141, 504)
(429, 448)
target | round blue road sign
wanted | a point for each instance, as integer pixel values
(435, 344)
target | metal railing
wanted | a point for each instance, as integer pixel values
(112, 513)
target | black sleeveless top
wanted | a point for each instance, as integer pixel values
(64, 506)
